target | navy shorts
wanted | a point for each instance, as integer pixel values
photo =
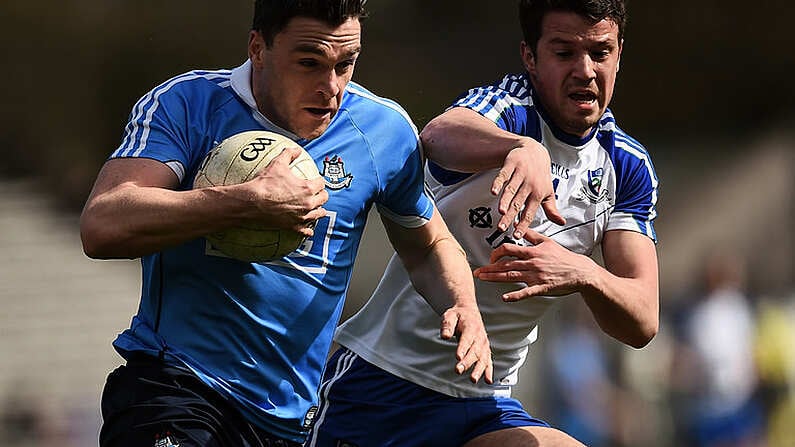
(365, 406)
(147, 403)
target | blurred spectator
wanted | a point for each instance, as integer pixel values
(22, 420)
(775, 355)
(582, 396)
(714, 370)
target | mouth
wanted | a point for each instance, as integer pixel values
(319, 112)
(584, 97)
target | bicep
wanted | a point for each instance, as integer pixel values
(629, 254)
(413, 244)
(140, 172)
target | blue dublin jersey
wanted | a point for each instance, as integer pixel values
(259, 333)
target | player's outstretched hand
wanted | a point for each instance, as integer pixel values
(547, 268)
(284, 200)
(524, 183)
(473, 350)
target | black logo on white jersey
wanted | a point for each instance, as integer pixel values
(480, 217)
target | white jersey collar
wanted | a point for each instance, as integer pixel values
(241, 84)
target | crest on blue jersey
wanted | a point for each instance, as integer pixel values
(334, 173)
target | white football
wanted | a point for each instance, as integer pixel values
(238, 159)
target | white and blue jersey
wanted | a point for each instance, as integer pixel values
(603, 182)
(259, 333)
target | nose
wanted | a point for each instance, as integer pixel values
(329, 86)
(584, 68)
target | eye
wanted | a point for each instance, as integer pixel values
(309, 63)
(600, 55)
(346, 65)
(563, 54)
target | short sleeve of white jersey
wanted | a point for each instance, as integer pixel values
(636, 189)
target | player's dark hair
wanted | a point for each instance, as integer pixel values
(532, 12)
(272, 16)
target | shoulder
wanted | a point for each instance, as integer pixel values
(619, 143)
(507, 102)
(372, 113)
(514, 87)
(193, 86)
(630, 159)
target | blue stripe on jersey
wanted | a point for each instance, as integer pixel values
(445, 176)
(516, 86)
(144, 110)
(637, 180)
(508, 104)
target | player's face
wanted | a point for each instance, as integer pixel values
(574, 69)
(298, 82)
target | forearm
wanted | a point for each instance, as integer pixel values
(443, 276)
(463, 140)
(132, 221)
(625, 308)
(436, 263)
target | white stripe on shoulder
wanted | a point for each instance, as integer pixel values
(154, 97)
(503, 103)
(132, 127)
(357, 89)
(473, 95)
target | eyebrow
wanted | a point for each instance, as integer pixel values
(313, 49)
(562, 41)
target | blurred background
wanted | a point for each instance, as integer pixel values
(706, 86)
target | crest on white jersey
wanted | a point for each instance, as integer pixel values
(593, 190)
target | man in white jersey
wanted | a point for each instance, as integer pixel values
(389, 385)
(230, 353)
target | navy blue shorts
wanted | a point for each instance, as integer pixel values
(365, 406)
(147, 403)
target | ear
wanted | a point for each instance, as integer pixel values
(620, 49)
(256, 48)
(528, 58)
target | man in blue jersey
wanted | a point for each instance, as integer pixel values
(388, 385)
(230, 353)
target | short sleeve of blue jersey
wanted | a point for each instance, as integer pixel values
(160, 124)
(393, 143)
(403, 196)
